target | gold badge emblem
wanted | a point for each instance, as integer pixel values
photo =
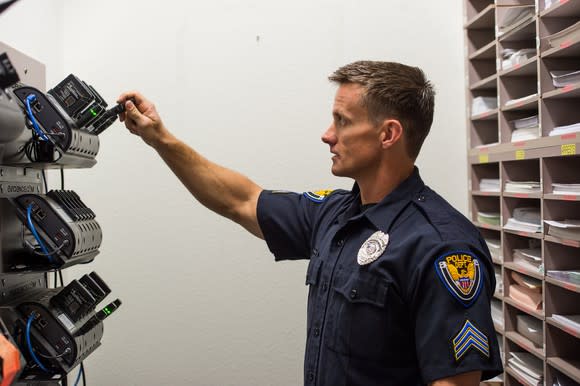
(461, 274)
(373, 248)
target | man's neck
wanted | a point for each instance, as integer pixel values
(374, 188)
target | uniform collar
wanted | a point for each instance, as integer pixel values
(384, 213)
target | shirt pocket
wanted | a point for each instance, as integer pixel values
(312, 279)
(357, 316)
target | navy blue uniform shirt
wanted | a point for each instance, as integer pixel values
(419, 312)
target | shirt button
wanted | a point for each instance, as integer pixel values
(325, 286)
(340, 243)
(421, 198)
(316, 331)
(310, 376)
(353, 294)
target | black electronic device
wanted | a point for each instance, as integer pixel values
(8, 75)
(66, 227)
(83, 104)
(59, 327)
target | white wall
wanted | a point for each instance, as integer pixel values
(244, 82)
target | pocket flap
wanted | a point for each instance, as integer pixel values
(313, 271)
(363, 287)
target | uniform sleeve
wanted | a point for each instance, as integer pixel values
(286, 220)
(454, 332)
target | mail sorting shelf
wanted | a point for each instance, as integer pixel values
(495, 153)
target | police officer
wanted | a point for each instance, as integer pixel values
(400, 282)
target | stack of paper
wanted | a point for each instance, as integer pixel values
(569, 276)
(569, 34)
(562, 380)
(566, 188)
(523, 99)
(513, 17)
(489, 185)
(522, 187)
(530, 328)
(482, 104)
(497, 313)
(489, 218)
(567, 229)
(525, 128)
(527, 291)
(571, 321)
(530, 258)
(567, 129)
(511, 57)
(530, 368)
(565, 77)
(498, 281)
(494, 246)
(525, 219)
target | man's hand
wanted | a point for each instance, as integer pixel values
(141, 118)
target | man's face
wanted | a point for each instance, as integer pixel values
(353, 138)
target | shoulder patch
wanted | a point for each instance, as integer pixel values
(469, 337)
(460, 272)
(318, 196)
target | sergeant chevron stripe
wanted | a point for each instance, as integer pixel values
(470, 337)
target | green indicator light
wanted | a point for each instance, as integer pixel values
(93, 112)
(107, 311)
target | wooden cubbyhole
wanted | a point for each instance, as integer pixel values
(485, 204)
(561, 301)
(511, 203)
(522, 170)
(559, 210)
(526, 68)
(556, 64)
(481, 69)
(479, 38)
(535, 310)
(560, 257)
(559, 112)
(516, 338)
(495, 237)
(560, 8)
(473, 8)
(562, 352)
(556, 377)
(512, 88)
(481, 171)
(560, 170)
(506, 124)
(484, 132)
(550, 25)
(513, 241)
(498, 323)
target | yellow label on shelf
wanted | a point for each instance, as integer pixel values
(569, 149)
(483, 158)
(520, 154)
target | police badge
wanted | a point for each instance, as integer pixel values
(460, 272)
(373, 248)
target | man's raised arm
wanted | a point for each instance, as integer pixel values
(222, 190)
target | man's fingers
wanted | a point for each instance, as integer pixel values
(132, 113)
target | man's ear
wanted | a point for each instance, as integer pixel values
(391, 132)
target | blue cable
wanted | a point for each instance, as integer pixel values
(35, 233)
(29, 344)
(32, 98)
(81, 370)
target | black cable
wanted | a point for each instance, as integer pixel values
(55, 278)
(60, 275)
(66, 351)
(61, 178)
(84, 374)
(44, 180)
